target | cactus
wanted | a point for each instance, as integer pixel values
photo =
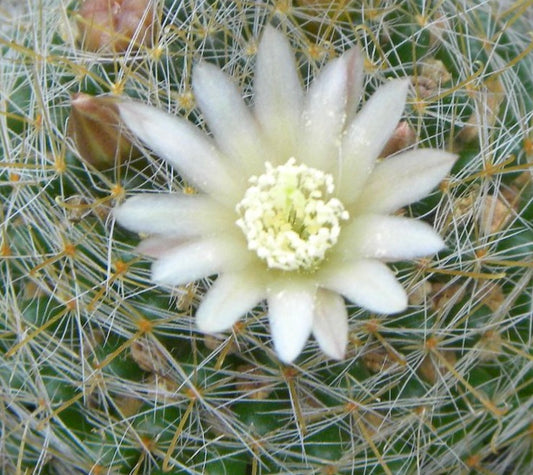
(103, 372)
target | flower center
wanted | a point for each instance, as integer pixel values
(289, 217)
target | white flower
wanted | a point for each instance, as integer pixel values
(292, 205)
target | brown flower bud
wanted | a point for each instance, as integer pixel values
(435, 70)
(495, 214)
(112, 25)
(434, 366)
(149, 358)
(377, 359)
(404, 136)
(95, 127)
(489, 98)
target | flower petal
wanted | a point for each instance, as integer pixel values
(230, 297)
(278, 94)
(229, 119)
(173, 214)
(290, 311)
(184, 146)
(367, 135)
(391, 238)
(356, 74)
(323, 116)
(330, 323)
(366, 282)
(200, 258)
(403, 179)
(158, 246)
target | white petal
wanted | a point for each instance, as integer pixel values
(390, 238)
(367, 135)
(230, 297)
(323, 116)
(229, 119)
(356, 62)
(173, 214)
(158, 246)
(200, 258)
(184, 146)
(278, 93)
(330, 324)
(366, 282)
(404, 179)
(290, 311)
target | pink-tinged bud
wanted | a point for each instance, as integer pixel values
(112, 25)
(95, 127)
(404, 136)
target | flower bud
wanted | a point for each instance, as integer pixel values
(94, 126)
(489, 99)
(112, 25)
(404, 136)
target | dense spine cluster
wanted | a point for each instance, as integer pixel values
(101, 372)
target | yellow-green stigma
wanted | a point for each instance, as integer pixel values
(289, 217)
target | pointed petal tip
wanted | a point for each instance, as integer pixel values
(275, 42)
(389, 238)
(444, 155)
(286, 355)
(354, 53)
(330, 324)
(133, 112)
(437, 243)
(392, 90)
(157, 246)
(391, 304)
(449, 157)
(288, 348)
(117, 211)
(125, 213)
(397, 305)
(206, 326)
(355, 63)
(201, 68)
(270, 32)
(162, 274)
(290, 311)
(288, 352)
(126, 105)
(368, 283)
(400, 86)
(338, 354)
(334, 351)
(440, 160)
(229, 298)
(128, 111)
(403, 179)
(395, 302)
(151, 247)
(204, 75)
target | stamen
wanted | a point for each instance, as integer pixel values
(289, 217)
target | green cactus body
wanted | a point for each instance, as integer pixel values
(103, 372)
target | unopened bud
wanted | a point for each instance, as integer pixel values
(435, 70)
(434, 367)
(404, 136)
(112, 25)
(490, 99)
(94, 126)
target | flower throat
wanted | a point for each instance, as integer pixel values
(289, 216)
